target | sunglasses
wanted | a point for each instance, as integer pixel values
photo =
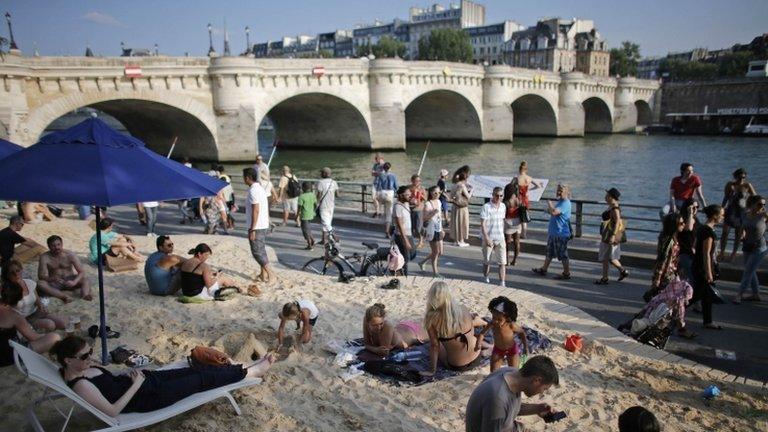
(85, 356)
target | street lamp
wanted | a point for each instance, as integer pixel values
(10, 31)
(247, 40)
(211, 51)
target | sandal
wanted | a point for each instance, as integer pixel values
(624, 274)
(539, 271)
(601, 281)
(393, 283)
(93, 332)
(564, 276)
(120, 354)
(138, 360)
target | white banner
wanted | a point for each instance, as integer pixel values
(482, 186)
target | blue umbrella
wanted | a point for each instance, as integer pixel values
(92, 164)
(8, 148)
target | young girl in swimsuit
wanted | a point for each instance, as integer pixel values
(380, 336)
(304, 313)
(504, 326)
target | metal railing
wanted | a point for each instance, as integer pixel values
(586, 214)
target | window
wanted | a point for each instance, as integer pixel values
(494, 50)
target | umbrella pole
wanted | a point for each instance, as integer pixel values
(102, 312)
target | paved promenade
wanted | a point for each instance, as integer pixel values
(745, 326)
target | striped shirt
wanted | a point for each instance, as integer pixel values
(494, 220)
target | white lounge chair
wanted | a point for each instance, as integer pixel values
(45, 372)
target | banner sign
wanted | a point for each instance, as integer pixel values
(132, 71)
(482, 186)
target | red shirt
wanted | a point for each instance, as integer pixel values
(684, 191)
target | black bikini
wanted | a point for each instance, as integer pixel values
(192, 283)
(463, 338)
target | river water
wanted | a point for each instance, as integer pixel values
(640, 166)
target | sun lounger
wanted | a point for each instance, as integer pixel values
(45, 372)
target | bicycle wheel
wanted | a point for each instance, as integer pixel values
(322, 266)
(374, 267)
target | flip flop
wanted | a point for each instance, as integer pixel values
(93, 332)
(564, 276)
(393, 283)
(601, 281)
(539, 271)
(138, 360)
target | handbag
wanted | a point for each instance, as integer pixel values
(316, 219)
(202, 355)
(574, 343)
(525, 215)
(714, 294)
(395, 261)
(459, 200)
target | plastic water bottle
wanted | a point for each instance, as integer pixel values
(403, 356)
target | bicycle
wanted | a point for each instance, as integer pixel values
(333, 261)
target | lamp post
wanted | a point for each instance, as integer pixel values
(211, 51)
(10, 31)
(247, 40)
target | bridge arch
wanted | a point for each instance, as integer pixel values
(533, 115)
(597, 116)
(442, 115)
(155, 120)
(319, 119)
(644, 113)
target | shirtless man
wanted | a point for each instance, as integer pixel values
(60, 270)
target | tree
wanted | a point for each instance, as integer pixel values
(680, 70)
(446, 44)
(624, 59)
(386, 47)
(734, 64)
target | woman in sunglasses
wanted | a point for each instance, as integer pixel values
(142, 390)
(735, 198)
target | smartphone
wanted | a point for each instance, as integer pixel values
(551, 418)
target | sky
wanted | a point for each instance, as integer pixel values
(65, 27)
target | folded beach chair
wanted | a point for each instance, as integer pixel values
(119, 265)
(45, 372)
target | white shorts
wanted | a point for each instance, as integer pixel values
(386, 198)
(495, 254)
(326, 220)
(291, 205)
(609, 252)
(512, 226)
(208, 293)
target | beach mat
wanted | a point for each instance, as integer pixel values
(407, 373)
(26, 254)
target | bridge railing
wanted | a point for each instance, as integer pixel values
(586, 217)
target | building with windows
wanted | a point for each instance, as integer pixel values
(371, 34)
(332, 44)
(553, 44)
(422, 21)
(648, 68)
(488, 41)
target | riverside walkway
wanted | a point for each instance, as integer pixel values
(743, 326)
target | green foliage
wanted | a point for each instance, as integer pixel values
(624, 59)
(679, 70)
(734, 64)
(386, 47)
(447, 45)
(324, 53)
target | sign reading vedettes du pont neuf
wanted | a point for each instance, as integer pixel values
(132, 71)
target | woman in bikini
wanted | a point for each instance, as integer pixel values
(450, 327)
(381, 336)
(198, 279)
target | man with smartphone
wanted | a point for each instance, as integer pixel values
(496, 402)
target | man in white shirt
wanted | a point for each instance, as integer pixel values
(257, 222)
(492, 227)
(327, 191)
(261, 168)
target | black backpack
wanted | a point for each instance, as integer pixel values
(294, 188)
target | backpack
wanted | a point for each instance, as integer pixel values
(294, 188)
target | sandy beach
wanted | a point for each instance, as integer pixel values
(303, 391)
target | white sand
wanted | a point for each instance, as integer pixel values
(303, 392)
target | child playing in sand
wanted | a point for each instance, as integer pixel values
(504, 326)
(304, 312)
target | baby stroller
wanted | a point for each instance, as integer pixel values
(654, 324)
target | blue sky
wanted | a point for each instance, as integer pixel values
(64, 27)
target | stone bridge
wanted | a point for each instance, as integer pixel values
(214, 106)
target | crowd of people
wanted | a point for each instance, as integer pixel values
(414, 215)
